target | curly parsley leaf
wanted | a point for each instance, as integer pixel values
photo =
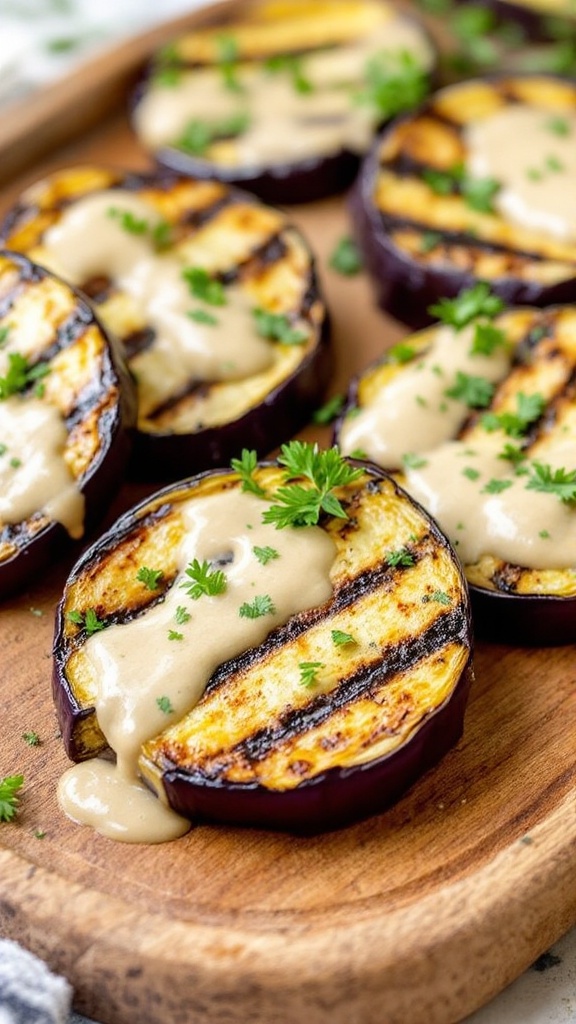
(309, 672)
(261, 605)
(341, 639)
(20, 374)
(245, 467)
(560, 482)
(89, 620)
(204, 287)
(345, 257)
(475, 392)
(393, 82)
(529, 408)
(277, 327)
(198, 135)
(400, 557)
(297, 505)
(467, 306)
(10, 787)
(265, 554)
(329, 411)
(202, 580)
(149, 577)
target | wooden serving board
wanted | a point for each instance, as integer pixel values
(420, 914)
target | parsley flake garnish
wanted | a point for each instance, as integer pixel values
(309, 671)
(4, 332)
(496, 486)
(202, 316)
(265, 554)
(202, 580)
(298, 505)
(486, 339)
(245, 467)
(345, 257)
(393, 82)
(475, 392)
(149, 577)
(341, 639)
(261, 605)
(292, 65)
(165, 705)
(560, 482)
(471, 473)
(558, 126)
(277, 327)
(401, 353)
(429, 240)
(329, 411)
(128, 221)
(10, 786)
(204, 287)
(31, 738)
(439, 596)
(198, 135)
(20, 374)
(89, 620)
(173, 634)
(411, 460)
(529, 408)
(228, 53)
(512, 453)
(400, 557)
(182, 615)
(467, 306)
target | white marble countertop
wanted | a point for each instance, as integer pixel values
(42, 39)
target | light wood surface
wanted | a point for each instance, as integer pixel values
(418, 915)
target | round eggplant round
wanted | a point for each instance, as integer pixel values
(282, 99)
(338, 708)
(67, 405)
(478, 422)
(212, 294)
(460, 192)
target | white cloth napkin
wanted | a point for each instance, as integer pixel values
(29, 992)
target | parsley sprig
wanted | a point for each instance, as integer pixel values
(561, 482)
(149, 577)
(393, 82)
(245, 467)
(296, 504)
(277, 327)
(478, 193)
(10, 787)
(470, 304)
(475, 392)
(203, 286)
(198, 135)
(89, 620)
(202, 579)
(529, 408)
(261, 605)
(20, 375)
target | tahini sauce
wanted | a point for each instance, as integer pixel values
(136, 665)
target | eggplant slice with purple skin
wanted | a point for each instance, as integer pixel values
(389, 656)
(283, 99)
(67, 404)
(492, 454)
(212, 294)
(461, 191)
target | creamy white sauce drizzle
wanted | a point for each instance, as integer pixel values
(139, 672)
(285, 124)
(535, 166)
(458, 481)
(89, 240)
(413, 413)
(33, 474)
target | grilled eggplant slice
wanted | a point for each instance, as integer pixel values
(488, 443)
(337, 710)
(468, 189)
(213, 295)
(283, 99)
(66, 406)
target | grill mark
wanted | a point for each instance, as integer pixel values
(194, 388)
(199, 218)
(396, 222)
(506, 577)
(448, 627)
(98, 289)
(262, 256)
(138, 341)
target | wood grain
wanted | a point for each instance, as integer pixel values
(419, 914)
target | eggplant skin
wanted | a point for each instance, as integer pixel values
(91, 385)
(255, 246)
(266, 31)
(296, 760)
(407, 273)
(511, 604)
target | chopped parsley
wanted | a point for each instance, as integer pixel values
(393, 82)
(400, 557)
(292, 65)
(346, 258)
(529, 408)
(401, 353)
(487, 339)
(182, 615)
(496, 486)
(467, 306)
(261, 605)
(173, 634)
(478, 193)
(20, 374)
(202, 580)
(10, 787)
(4, 332)
(245, 467)
(341, 639)
(471, 473)
(15, 462)
(429, 240)
(149, 577)
(31, 738)
(228, 54)
(277, 327)
(165, 705)
(202, 316)
(265, 554)
(89, 620)
(309, 672)
(559, 126)
(475, 392)
(198, 135)
(560, 482)
(325, 470)
(411, 460)
(329, 411)
(129, 221)
(439, 596)
(512, 453)
(203, 286)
